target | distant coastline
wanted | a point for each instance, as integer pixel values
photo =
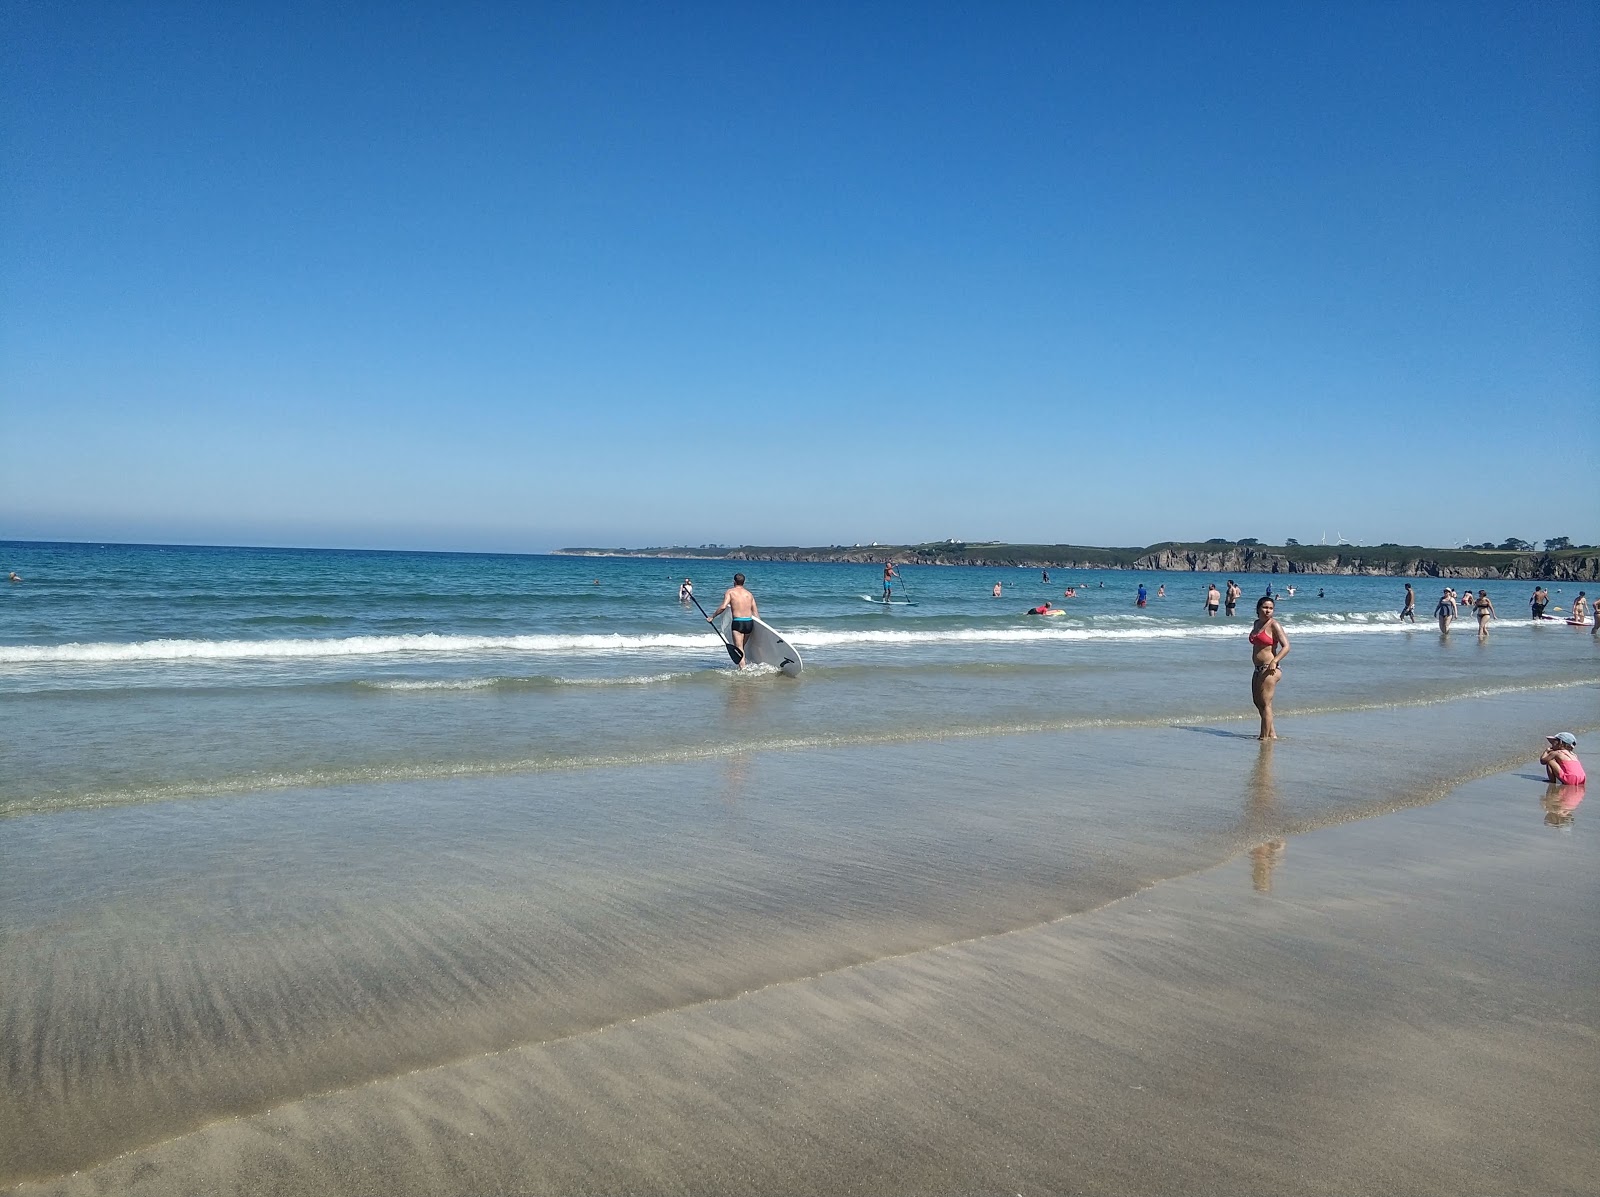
(1217, 557)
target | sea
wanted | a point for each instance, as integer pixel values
(280, 821)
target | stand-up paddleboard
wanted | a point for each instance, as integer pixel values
(867, 598)
(764, 646)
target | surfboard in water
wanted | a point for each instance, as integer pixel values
(765, 646)
(867, 598)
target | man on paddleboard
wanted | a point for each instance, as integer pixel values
(742, 604)
(888, 580)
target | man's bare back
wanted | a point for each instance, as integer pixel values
(742, 604)
(740, 601)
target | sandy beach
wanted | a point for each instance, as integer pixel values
(1405, 1003)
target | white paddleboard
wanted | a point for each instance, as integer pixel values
(765, 646)
(867, 598)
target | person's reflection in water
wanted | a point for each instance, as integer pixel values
(740, 723)
(1559, 802)
(735, 776)
(1260, 816)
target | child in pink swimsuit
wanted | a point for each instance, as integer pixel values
(1560, 760)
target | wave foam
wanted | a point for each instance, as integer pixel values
(437, 644)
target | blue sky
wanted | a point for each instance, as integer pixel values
(520, 276)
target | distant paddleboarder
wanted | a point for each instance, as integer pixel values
(888, 580)
(742, 605)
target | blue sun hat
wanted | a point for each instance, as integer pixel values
(1565, 739)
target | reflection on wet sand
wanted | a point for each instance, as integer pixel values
(1559, 802)
(1261, 814)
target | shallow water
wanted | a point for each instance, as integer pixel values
(233, 880)
(133, 674)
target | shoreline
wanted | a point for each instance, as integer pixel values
(1377, 1006)
(161, 991)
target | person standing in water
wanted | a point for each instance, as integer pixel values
(996, 590)
(1232, 597)
(1445, 610)
(1485, 610)
(1212, 599)
(1144, 596)
(1409, 611)
(1269, 645)
(742, 605)
(686, 591)
(1161, 590)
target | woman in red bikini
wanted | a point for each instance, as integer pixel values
(1268, 646)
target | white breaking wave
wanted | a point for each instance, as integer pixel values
(348, 646)
(435, 644)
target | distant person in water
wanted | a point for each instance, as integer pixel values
(996, 591)
(1144, 596)
(1213, 598)
(1043, 609)
(1539, 601)
(1044, 575)
(1580, 608)
(1445, 609)
(1232, 596)
(741, 604)
(1485, 610)
(1269, 645)
(1161, 590)
(15, 576)
(1560, 760)
(1409, 611)
(1072, 592)
(1320, 594)
(686, 591)
(1290, 592)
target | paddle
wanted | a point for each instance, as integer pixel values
(732, 651)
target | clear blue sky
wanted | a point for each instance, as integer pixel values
(510, 276)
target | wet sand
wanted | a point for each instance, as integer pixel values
(1405, 1003)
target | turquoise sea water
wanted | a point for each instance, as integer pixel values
(139, 673)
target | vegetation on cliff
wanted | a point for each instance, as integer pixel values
(1212, 556)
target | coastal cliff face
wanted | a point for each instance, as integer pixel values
(1245, 559)
(1233, 559)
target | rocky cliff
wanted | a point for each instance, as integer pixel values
(1224, 559)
